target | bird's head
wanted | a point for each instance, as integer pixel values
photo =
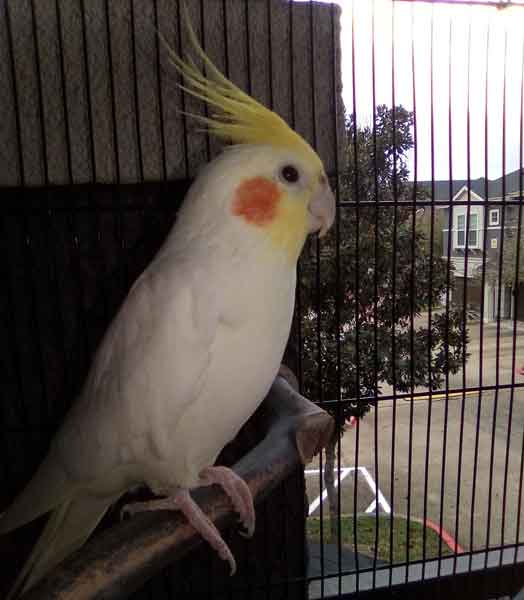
(273, 183)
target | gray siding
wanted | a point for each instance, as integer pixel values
(91, 123)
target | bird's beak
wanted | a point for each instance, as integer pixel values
(322, 210)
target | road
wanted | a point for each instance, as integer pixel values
(472, 473)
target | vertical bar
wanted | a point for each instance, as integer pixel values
(270, 55)
(180, 80)
(499, 298)
(448, 286)
(159, 92)
(482, 305)
(464, 299)
(88, 98)
(356, 299)
(412, 292)
(203, 44)
(135, 92)
(393, 292)
(298, 299)
(375, 291)
(430, 295)
(338, 270)
(517, 263)
(501, 283)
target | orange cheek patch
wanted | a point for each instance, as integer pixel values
(256, 201)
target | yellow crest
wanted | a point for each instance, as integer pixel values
(241, 118)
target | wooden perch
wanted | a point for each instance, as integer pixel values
(121, 559)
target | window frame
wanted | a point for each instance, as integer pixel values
(461, 226)
(491, 212)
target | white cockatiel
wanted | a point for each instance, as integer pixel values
(198, 341)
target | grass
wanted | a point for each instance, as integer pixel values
(366, 537)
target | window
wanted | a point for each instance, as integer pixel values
(494, 216)
(473, 233)
(461, 230)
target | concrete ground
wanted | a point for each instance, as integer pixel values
(434, 441)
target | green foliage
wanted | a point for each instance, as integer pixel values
(388, 276)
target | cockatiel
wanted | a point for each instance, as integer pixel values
(198, 341)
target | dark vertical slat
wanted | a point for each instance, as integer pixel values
(8, 150)
(430, 296)
(159, 92)
(499, 298)
(356, 298)
(501, 282)
(412, 292)
(393, 291)
(375, 288)
(517, 287)
(464, 298)
(448, 287)
(135, 93)
(482, 301)
(335, 121)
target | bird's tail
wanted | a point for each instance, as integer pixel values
(67, 528)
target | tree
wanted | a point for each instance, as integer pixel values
(366, 294)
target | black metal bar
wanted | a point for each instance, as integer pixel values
(393, 294)
(448, 290)
(159, 93)
(42, 206)
(135, 91)
(502, 4)
(445, 203)
(430, 299)
(375, 287)
(502, 283)
(356, 296)
(203, 44)
(482, 300)
(412, 292)
(465, 288)
(517, 288)
(499, 300)
(338, 282)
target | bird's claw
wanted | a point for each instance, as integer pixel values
(238, 492)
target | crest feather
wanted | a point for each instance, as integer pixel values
(236, 116)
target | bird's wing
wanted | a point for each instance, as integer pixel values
(151, 363)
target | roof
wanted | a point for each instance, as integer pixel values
(476, 185)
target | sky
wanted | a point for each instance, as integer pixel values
(462, 57)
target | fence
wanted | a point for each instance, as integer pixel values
(408, 325)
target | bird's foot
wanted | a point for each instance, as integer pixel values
(183, 502)
(133, 508)
(237, 490)
(196, 517)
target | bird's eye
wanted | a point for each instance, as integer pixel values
(290, 174)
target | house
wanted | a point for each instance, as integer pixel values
(474, 225)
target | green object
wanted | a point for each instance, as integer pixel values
(366, 537)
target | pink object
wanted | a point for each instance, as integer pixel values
(204, 526)
(521, 371)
